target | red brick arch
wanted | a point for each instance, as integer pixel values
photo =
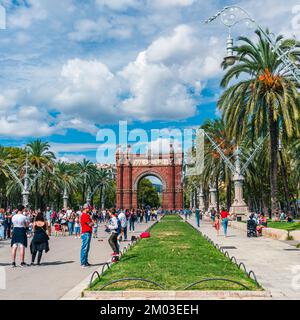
(131, 168)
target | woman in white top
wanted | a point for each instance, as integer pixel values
(19, 236)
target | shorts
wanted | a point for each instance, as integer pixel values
(17, 244)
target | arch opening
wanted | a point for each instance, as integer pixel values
(149, 192)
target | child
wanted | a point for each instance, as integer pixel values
(95, 229)
(217, 224)
(56, 228)
(77, 228)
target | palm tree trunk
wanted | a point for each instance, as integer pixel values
(285, 183)
(83, 193)
(218, 193)
(273, 127)
(228, 194)
(36, 194)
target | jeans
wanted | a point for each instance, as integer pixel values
(71, 228)
(125, 233)
(77, 230)
(131, 225)
(225, 225)
(7, 231)
(85, 247)
(198, 220)
(113, 242)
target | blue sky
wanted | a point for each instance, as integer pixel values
(72, 67)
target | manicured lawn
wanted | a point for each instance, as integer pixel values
(284, 225)
(175, 256)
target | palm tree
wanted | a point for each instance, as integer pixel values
(87, 172)
(66, 179)
(103, 180)
(40, 157)
(215, 169)
(266, 101)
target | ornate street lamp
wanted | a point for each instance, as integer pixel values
(232, 15)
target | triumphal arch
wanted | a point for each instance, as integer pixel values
(131, 168)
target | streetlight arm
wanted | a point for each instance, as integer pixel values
(13, 173)
(221, 153)
(32, 181)
(258, 147)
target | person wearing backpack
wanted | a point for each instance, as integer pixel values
(114, 225)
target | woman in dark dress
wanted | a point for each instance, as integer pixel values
(40, 240)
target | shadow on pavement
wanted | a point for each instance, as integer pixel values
(56, 263)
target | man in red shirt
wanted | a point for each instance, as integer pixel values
(224, 215)
(86, 235)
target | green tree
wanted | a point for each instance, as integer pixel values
(147, 194)
(40, 158)
(266, 100)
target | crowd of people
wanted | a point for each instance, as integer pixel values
(20, 224)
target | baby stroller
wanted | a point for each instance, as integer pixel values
(251, 228)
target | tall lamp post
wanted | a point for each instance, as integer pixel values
(231, 16)
(239, 206)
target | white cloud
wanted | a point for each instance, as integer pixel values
(173, 48)
(118, 4)
(156, 85)
(100, 30)
(171, 3)
(90, 92)
(26, 121)
(73, 147)
(25, 16)
(154, 92)
(71, 158)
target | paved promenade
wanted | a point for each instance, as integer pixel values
(60, 271)
(272, 261)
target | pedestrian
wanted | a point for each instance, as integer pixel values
(7, 224)
(114, 225)
(48, 219)
(71, 219)
(40, 240)
(213, 215)
(132, 218)
(186, 212)
(217, 224)
(86, 235)
(77, 227)
(19, 236)
(95, 228)
(2, 218)
(197, 215)
(224, 215)
(56, 228)
(63, 222)
(123, 219)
